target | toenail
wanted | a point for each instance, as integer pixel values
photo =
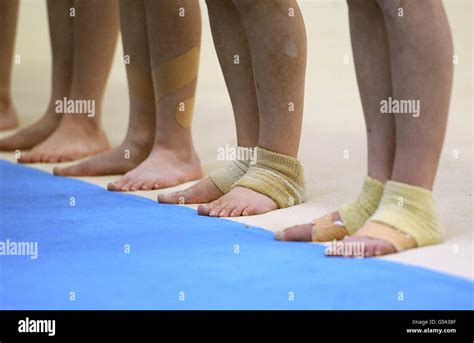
(279, 235)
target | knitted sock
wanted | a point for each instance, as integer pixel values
(353, 215)
(278, 176)
(408, 211)
(225, 177)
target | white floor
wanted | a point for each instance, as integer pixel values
(333, 123)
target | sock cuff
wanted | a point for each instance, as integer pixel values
(411, 209)
(356, 213)
(278, 176)
(245, 154)
(225, 177)
(373, 187)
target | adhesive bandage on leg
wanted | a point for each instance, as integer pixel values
(325, 229)
(174, 75)
(140, 84)
(353, 216)
(225, 177)
(409, 212)
(279, 177)
(184, 113)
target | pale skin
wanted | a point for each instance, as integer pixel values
(407, 57)
(8, 22)
(83, 47)
(161, 151)
(271, 46)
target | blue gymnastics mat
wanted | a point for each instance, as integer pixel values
(103, 250)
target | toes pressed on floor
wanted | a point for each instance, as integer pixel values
(172, 198)
(236, 212)
(203, 210)
(297, 233)
(115, 186)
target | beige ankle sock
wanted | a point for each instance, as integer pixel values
(279, 177)
(225, 177)
(353, 215)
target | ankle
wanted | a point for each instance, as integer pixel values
(79, 122)
(5, 102)
(142, 139)
(184, 153)
(178, 140)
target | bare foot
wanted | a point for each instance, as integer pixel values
(353, 246)
(163, 168)
(202, 192)
(119, 160)
(240, 201)
(31, 135)
(302, 232)
(8, 118)
(71, 141)
(297, 233)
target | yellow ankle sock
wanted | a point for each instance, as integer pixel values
(278, 176)
(408, 209)
(353, 216)
(225, 177)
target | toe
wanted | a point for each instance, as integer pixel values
(137, 185)
(205, 209)
(53, 159)
(59, 171)
(225, 212)
(171, 198)
(41, 157)
(249, 211)
(27, 159)
(147, 185)
(112, 186)
(127, 186)
(68, 171)
(37, 157)
(214, 212)
(34, 157)
(24, 158)
(297, 233)
(74, 170)
(117, 185)
(66, 158)
(369, 248)
(237, 211)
